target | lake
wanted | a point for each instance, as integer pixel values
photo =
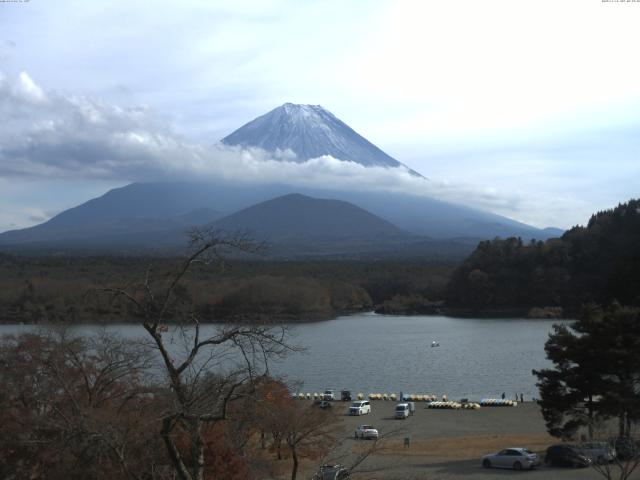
(366, 353)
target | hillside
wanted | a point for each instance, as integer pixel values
(597, 263)
(297, 217)
(120, 218)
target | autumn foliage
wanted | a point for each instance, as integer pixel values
(84, 408)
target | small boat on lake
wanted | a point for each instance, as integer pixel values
(435, 344)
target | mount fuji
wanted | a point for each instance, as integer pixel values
(309, 131)
(154, 215)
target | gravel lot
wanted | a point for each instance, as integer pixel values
(448, 444)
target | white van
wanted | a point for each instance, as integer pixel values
(360, 407)
(402, 410)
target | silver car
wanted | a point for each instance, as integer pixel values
(598, 452)
(366, 431)
(516, 458)
(332, 472)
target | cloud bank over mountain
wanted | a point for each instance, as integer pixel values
(57, 135)
(542, 128)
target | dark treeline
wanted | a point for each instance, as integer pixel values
(62, 289)
(597, 263)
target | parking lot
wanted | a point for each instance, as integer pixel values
(448, 444)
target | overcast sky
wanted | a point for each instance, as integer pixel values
(529, 109)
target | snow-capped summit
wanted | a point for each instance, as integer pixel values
(309, 131)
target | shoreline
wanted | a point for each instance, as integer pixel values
(269, 319)
(291, 319)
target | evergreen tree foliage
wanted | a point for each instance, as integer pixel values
(596, 373)
(597, 263)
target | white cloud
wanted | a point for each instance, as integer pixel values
(27, 89)
(51, 135)
(476, 66)
(21, 217)
(74, 137)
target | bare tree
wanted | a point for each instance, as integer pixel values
(74, 407)
(213, 369)
(626, 461)
(307, 431)
(354, 464)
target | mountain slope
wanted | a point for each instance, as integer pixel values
(135, 209)
(309, 131)
(299, 217)
(166, 203)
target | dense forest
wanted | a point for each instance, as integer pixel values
(69, 289)
(597, 263)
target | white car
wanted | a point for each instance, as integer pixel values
(360, 407)
(329, 396)
(366, 431)
(517, 458)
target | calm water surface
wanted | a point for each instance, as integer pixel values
(383, 354)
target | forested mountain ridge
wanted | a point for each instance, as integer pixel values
(597, 263)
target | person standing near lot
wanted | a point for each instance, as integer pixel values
(503, 395)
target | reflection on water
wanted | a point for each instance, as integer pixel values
(375, 353)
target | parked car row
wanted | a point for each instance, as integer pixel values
(561, 455)
(517, 458)
(329, 395)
